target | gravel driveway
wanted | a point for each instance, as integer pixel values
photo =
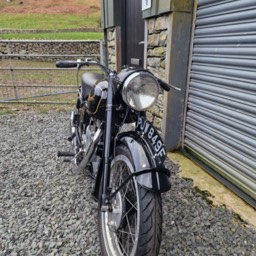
(47, 210)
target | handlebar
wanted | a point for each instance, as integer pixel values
(78, 64)
(166, 86)
(66, 64)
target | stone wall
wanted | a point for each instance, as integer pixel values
(23, 48)
(157, 42)
(111, 34)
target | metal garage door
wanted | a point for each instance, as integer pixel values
(220, 125)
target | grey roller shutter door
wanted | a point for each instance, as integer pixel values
(220, 126)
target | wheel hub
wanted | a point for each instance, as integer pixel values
(114, 217)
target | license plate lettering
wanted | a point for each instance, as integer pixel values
(143, 126)
(139, 122)
(146, 127)
(162, 152)
(154, 139)
(158, 145)
(152, 136)
(150, 133)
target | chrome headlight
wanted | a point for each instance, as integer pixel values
(140, 90)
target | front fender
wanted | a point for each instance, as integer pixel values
(157, 180)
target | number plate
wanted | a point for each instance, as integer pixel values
(150, 134)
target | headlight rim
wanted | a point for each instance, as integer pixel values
(132, 76)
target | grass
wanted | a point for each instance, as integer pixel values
(54, 36)
(49, 21)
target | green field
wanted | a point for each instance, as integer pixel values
(50, 22)
(54, 36)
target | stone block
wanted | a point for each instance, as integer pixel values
(149, 116)
(112, 59)
(153, 40)
(158, 72)
(150, 52)
(158, 123)
(111, 51)
(111, 43)
(163, 38)
(151, 26)
(154, 62)
(161, 23)
(155, 110)
(162, 65)
(159, 51)
(111, 35)
(160, 99)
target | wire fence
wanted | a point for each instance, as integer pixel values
(28, 73)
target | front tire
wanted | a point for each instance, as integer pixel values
(134, 226)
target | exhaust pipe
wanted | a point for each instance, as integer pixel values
(89, 153)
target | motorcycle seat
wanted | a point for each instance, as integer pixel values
(88, 81)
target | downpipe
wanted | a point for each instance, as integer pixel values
(89, 153)
(107, 143)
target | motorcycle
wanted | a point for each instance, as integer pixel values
(127, 165)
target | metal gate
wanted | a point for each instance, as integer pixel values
(220, 125)
(28, 73)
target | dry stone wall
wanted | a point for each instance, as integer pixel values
(23, 48)
(157, 42)
(111, 48)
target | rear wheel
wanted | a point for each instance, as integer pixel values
(134, 225)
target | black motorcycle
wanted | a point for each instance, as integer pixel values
(127, 163)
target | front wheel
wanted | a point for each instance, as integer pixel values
(134, 225)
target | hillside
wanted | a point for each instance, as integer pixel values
(48, 15)
(80, 7)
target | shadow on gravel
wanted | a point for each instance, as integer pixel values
(47, 210)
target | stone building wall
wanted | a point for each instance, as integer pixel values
(111, 37)
(157, 43)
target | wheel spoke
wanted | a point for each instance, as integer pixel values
(122, 247)
(132, 235)
(125, 241)
(130, 202)
(123, 238)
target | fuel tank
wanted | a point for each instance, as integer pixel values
(97, 99)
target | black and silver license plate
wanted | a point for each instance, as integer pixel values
(150, 134)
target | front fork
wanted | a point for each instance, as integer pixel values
(107, 144)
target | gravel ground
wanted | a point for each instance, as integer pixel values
(47, 210)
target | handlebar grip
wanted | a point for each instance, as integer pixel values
(66, 64)
(166, 86)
